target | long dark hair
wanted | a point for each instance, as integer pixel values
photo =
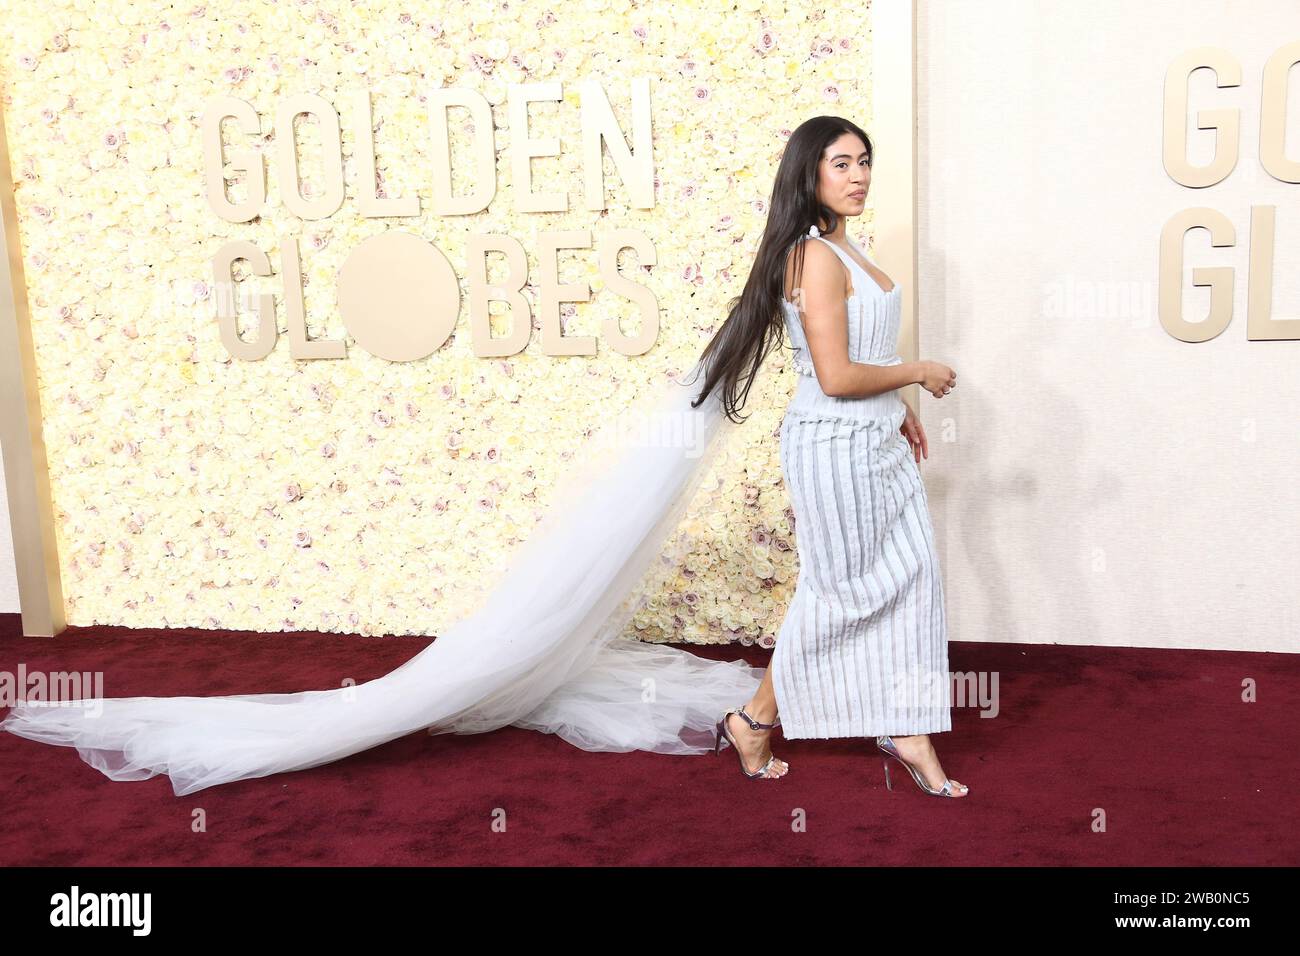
(755, 324)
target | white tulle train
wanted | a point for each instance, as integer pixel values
(545, 650)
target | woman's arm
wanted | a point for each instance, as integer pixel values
(860, 380)
(820, 296)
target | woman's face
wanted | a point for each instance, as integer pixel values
(844, 175)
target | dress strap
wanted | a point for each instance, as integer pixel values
(815, 233)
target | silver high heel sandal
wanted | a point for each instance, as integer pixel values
(889, 749)
(724, 734)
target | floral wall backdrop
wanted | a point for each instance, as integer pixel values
(362, 495)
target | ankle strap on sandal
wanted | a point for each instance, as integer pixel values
(754, 724)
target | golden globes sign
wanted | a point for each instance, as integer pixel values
(1226, 122)
(196, 185)
(398, 295)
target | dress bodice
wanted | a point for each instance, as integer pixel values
(874, 317)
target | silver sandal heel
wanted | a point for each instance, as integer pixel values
(724, 734)
(889, 749)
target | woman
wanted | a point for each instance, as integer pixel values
(863, 648)
(545, 649)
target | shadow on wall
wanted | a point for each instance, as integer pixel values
(1015, 464)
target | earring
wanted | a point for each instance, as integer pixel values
(814, 231)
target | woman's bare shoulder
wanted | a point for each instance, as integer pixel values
(823, 272)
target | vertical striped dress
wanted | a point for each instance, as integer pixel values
(863, 648)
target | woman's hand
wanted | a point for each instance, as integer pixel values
(915, 434)
(936, 378)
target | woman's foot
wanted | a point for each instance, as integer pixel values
(917, 750)
(753, 744)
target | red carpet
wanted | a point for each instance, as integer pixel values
(1185, 772)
